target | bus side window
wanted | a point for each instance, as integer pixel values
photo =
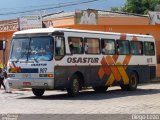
(75, 45)
(59, 47)
(149, 48)
(85, 46)
(122, 47)
(92, 46)
(136, 47)
(108, 46)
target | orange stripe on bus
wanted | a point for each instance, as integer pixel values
(123, 73)
(101, 73)
(104, 69)
(127, 60)
(105, 66)
(115, 57)
(113, 68)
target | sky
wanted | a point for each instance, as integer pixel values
(8, 6)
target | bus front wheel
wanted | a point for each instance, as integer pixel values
(133, 81)
(38, 92)
(74, 86)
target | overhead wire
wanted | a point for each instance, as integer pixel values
(37, 6)
(59, 5)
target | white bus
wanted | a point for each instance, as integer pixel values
(70, 59)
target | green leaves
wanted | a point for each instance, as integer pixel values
(140, 6)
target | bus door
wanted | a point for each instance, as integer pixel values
(59, 70)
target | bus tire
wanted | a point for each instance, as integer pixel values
(133, 82)
(100, 89)
(38, 92)
(74, 86)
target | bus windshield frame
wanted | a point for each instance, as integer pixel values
(37, 48)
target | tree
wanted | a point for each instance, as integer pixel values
(115, 9)
(140, 6)
(133, 6)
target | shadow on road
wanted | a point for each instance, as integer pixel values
(91, 95)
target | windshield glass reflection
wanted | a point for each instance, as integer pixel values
(20, 49)
(36, 48)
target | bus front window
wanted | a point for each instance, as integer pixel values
(41, 48)
(19, 49)
(34, 48)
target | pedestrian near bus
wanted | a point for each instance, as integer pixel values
(2, 79)
(6, 83)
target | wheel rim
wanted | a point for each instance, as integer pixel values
(75, 86)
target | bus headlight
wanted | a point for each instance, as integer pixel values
(11, 75)
(46, 75)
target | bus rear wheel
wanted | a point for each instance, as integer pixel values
(38, 92)
(133, 82)
(100, 89)
(74, 86)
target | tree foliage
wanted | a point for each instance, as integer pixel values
(115, 9)
(139, 6)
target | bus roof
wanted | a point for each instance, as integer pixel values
(51, 30)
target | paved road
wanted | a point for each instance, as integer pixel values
(145, 100)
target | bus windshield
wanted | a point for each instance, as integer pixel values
(35, 48)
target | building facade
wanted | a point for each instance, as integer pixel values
(91, 20)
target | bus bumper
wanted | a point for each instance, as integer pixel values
(31, 83)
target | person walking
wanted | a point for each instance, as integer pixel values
(2, 78)
(6, 83)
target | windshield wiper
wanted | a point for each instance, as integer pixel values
(21, 57)
(14, 60)
(35, 59)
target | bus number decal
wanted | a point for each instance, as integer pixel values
(43, 70)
